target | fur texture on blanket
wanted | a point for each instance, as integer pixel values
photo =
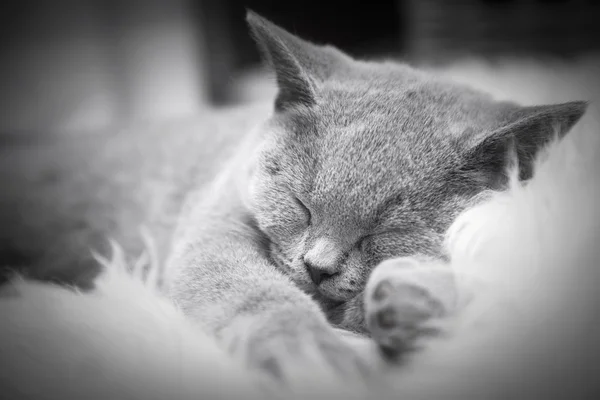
(528, 262)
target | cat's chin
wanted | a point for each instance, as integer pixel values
(334, 310)
(335, 293)
(329, 296)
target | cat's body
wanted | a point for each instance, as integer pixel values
(66, 196)
(358, 163)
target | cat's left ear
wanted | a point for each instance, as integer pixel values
(299, 66)
(523, 132)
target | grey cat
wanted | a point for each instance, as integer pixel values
(328, 214)
(360, 162)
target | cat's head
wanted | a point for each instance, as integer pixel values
(364, 161)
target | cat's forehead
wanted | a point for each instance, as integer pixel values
(395, 96)
(415, 124)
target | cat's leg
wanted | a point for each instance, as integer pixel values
(221, 276)
(406, 299)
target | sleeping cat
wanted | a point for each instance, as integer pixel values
(359, 163)
(319, 217)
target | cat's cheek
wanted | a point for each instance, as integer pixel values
(348, 282)
(258, 195)
(279, 220)
(275, 212)
(356, 273)
(258, 201)
(283, 228)
(388, 246)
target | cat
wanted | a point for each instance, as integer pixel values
(353, 178)
(362, 166)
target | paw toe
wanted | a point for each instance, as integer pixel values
(386, 318)
(272, 367)
(382, 290)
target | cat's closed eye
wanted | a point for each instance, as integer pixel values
(389, 243)
(305, 210)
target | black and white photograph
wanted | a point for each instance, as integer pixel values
(289, 200)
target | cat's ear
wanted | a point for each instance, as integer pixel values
(523, 132)
(299, 66)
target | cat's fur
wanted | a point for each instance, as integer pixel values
(358, 163)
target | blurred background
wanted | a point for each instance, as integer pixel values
(84, 65)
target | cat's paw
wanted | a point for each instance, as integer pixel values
(405, 299)
(305, 359)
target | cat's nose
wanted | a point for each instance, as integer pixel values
(322, 260)
(317, 274)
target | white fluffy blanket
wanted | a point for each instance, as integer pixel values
(529, 267)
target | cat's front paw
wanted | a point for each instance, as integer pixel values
(405, 298)
(305, 359)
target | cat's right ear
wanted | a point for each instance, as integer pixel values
(299, 66)
(523, 133)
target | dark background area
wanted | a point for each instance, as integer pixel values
(431, 31)
(77, 65)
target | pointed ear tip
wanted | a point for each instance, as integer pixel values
(255, 20)
(257, 26)
(582, 106)
(251, 15)
(572, 109)
(261, 29)
(578, 108)
(252, 18)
